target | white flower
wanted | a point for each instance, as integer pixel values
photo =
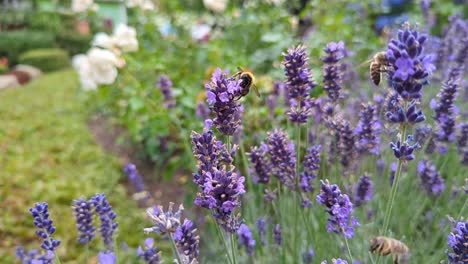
(98, 66)
(79, 6)
(103, 40)
(143, 4)
(103, 65)
(274, 2)
(81, 64)
(217, 6)
(124, 38)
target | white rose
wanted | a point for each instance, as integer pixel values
(102, 65)
(79, 6)
(124, 37)
(133, 3)
(81, 64)
(103, 40)
(147, 5)
(217, 6)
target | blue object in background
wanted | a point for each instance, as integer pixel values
(388, 20)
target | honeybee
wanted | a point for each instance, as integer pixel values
(247, 80)
(378, 65)
(384, 246)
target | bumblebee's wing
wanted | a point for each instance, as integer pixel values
(255, 88)
(367, 62)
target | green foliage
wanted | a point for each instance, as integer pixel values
(48, 154)
(46, 59)
(15, 43)
(72, 42)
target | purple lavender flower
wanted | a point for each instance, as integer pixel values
(462, 142)
(107, 258)
(107, 218)
(299, 82)
(422, 134)
(40, 213)
(332, 77)
(412, 115)
(165, 85)
(457, 240)
(404, 151)
(83, 211)
(202, 111)
(221, 94)
(368, 130)
(308, 256)
(269, 196)
(134, 177)
(409, 65)
(429, 19)
(246, 238)
(277, 237)
(311, 165)
(187, 240)
(261, 164)
(431, 181)
(151, 253)
(165, 222)
(220, 187)
(393, 169)
(33, 256)
(446, 111)
(364, 190)
(340, 209)
(305, 201)
(283, 157)
(336, 261)
(261, 228)
(345, 143)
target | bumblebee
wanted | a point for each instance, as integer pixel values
(378, 65)
(247, 81)
(384, 246)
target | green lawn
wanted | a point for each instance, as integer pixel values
(48, 154)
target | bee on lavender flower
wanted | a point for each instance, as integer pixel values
(247, 81)
(385, 245)
(378, 65)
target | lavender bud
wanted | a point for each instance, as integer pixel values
(431, 181)
(165, 85)
(187, 240)
(83, 211)
(332, 77)
(40, 213)
(246, 238)
(283, 157)
(368, 130)
(106, 218)
(277, 237)
(151, 253)
(364, 190)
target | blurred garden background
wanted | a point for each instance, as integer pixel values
(102, 97)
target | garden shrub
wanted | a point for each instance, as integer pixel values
(46, 59)
(73, 42)
(16, 42)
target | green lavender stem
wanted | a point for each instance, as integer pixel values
(349, 250)
(174, 248)
(223, 238)
(297, 200)
(233, 249)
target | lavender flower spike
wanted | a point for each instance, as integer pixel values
(106, 217)
(187, 240)
(165, 222)
(83, 211)
(299, 82)
(340, 209)
(261, 164)
(283, 157)
(277, 235)
(221, 94)
(409, 65)
(33, 256)
(165, 85)
(261, 227)
(151, 253)
(40, 213)
(311, 165)
(246, 238)
(431, 181)
(404, 151)
(107, 258)
(332, 77)
(457, 242)
(368, 130)
(364, 190)
(446, 111)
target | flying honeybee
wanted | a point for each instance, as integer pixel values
(247, 80)
(384, 246)
(378, 65)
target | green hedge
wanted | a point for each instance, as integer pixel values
(15, 43)
(73, 42)
(46, 60)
